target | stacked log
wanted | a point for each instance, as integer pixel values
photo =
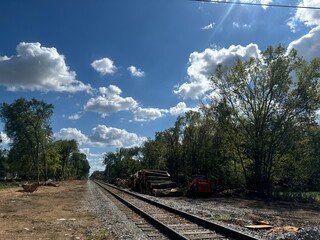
(153, 181)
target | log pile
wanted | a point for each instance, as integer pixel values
(154, 182)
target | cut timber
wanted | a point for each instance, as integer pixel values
(156, 173)
(259, 226)
(51, 183)
(146, 181)
(286, 228)
(148, 177)
(174, 192)
(161, 185)
(30, 187)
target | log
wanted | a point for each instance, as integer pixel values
(173, 192)
(155, 174)
(30, 187)
(156, 178)
(161, 185)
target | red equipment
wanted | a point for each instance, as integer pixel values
(200, 185)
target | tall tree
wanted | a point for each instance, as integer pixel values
(27, 123)
(80, 167)
(268, 100)
(65, 149)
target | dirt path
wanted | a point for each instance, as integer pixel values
(48, 213)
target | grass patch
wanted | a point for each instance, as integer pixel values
(4, 185)
(304, 197)
(101, 234)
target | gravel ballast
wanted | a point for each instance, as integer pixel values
(110, 216)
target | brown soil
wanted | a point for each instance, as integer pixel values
(48, 213)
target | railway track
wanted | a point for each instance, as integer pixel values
(162, 222)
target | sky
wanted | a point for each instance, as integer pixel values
(118, 71)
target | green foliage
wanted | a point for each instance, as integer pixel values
(259, 132)
(101, 234)
(304, 197)
(32, 153)
(27, 123)
(122, 163)
(98, 175)
(267, 108)
(4, 166)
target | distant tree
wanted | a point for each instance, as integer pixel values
(27, 124)
(97, 175)
(66, 148)
(122, 163)
(79, 166)
(267, 101)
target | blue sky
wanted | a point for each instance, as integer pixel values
(119, 71)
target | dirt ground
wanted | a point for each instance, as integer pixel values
(48, 213)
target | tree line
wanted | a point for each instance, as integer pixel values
(259, 131)
(33, 153)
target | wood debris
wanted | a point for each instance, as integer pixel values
(259, 226)
(30, 187)
(286, 228)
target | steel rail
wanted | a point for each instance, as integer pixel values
(226, 231)
(158, 224)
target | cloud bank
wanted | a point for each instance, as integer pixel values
(147, 114)
(35, 67)
(110, 101)
(101, 136)
(203, 64)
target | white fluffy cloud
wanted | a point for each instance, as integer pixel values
(71, 133)
(104, 66)
(95, 159)
(75, 116)
(180, 109)
(203, 64)
(136, 72)
(309, 17)
(101, 136)
(38, 68)
(110, 101)
(104, 136)
(147, 114)
(308, 45)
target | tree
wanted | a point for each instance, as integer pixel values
(27, 124)
(267, 101)
(65, 149)
(79, 166)
(122, 163)
(4, 166)
(97, 175)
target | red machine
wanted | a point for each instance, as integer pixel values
(199, 186)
